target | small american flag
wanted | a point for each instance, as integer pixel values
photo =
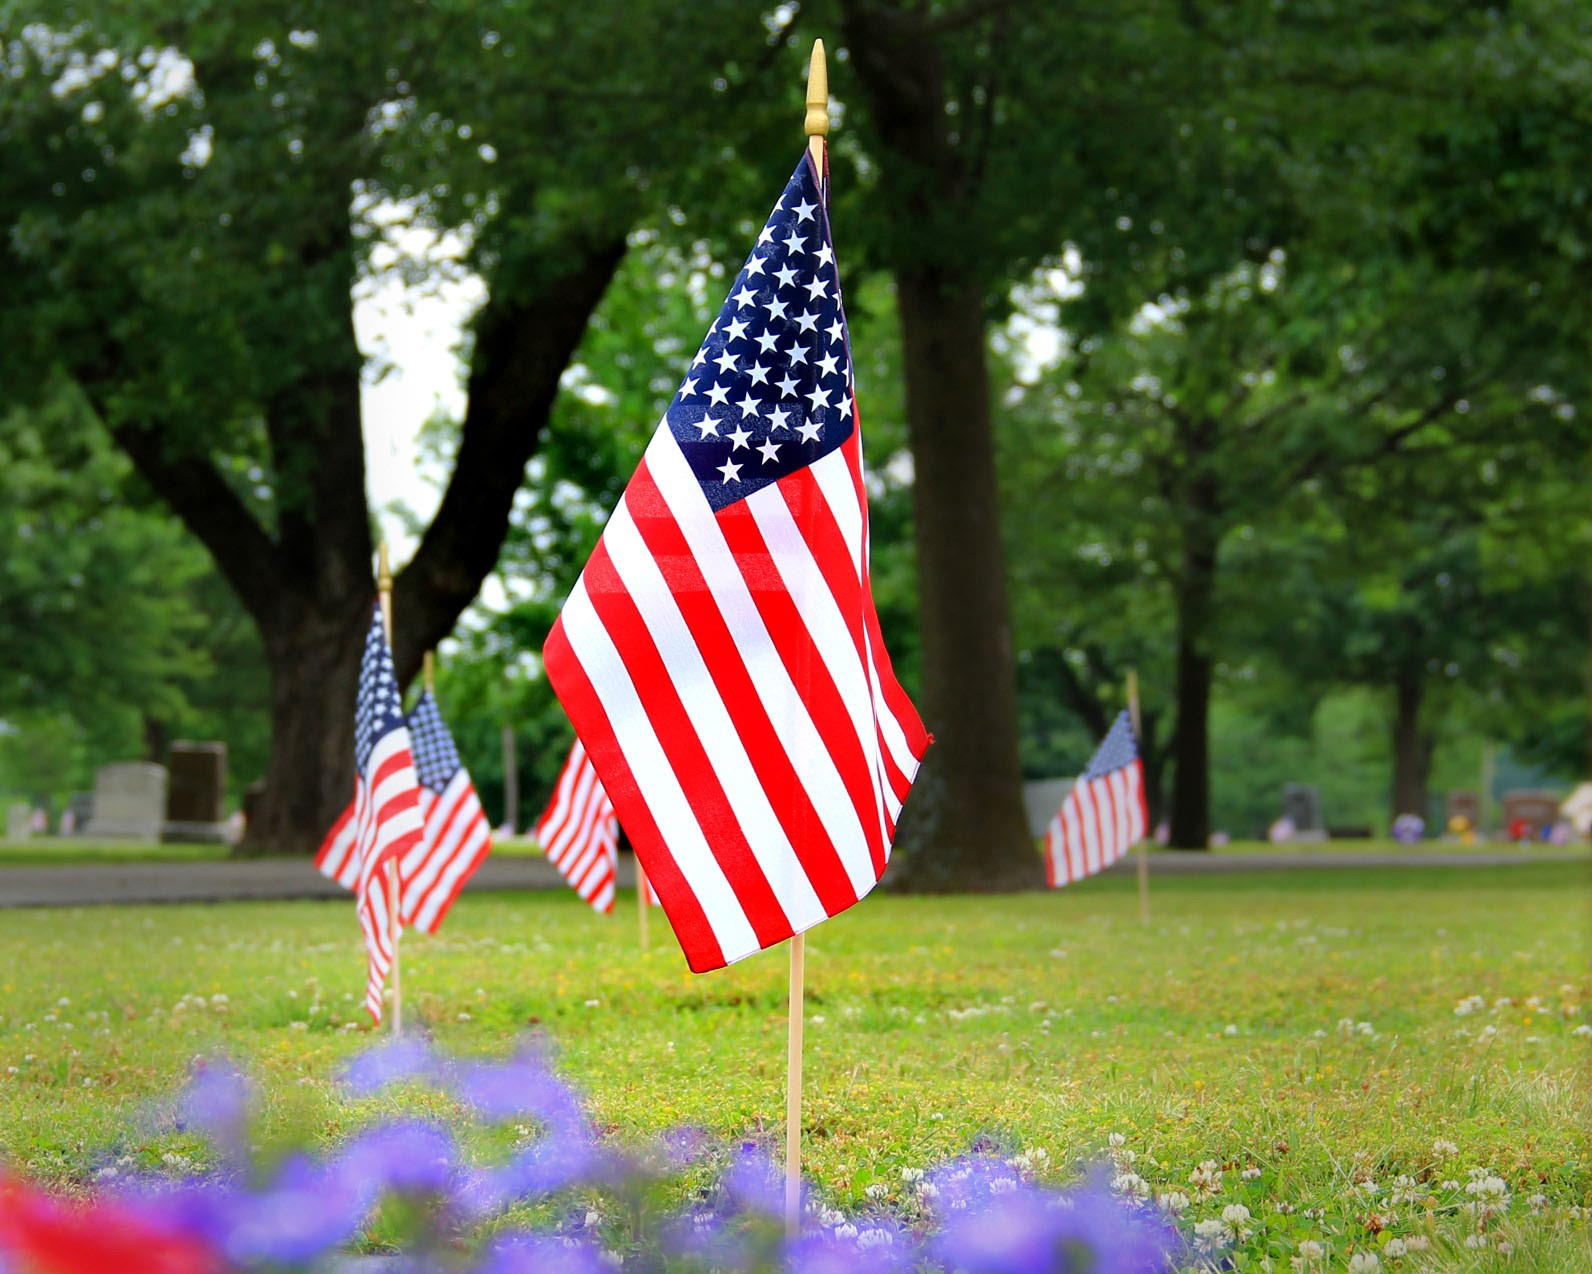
(720, 655)
(1104, 815)
(383, 822)
(579, 832)
(457, 835)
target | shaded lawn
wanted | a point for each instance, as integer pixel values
(1301, 1027)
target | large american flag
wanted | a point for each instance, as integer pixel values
(383, 821)
(579, 832)
(1104, 815)
(720, 655)
(457, 835)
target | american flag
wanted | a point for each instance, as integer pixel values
(579, 832)
(720, 655)
(383, 822)
(457, 835)
(1104, 815)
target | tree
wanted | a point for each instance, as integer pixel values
(219, 181)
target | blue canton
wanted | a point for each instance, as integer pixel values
(1117, 749)
(436, 759)
(770, 390)
(378, 709)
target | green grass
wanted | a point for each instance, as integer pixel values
(1299, 1026)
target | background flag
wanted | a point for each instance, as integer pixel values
(579, 832)
(1104, 814)
(457, 835)
(383, 823)
(720, 655)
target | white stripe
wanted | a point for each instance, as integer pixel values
(1119, 810)
(727, 753)
(804, 744)
(655, 779)
(1072, 812)
(1136, 825)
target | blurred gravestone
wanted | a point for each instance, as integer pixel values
(19, 822)
(1041, 799)
(195, 802)
(79, 813)
(1466, 805)
(1301, 806)
(129, 801)
(1527, 811)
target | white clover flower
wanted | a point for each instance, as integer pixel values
(830, 1216)
(1484, 1185)
(1235, 1214)
(1449, 1184)
(873, 1238)
(1250, 1173)
(1417, 1243)
(928, 1190)
(1537, 1202)
(877, 1190)
(592, 1219)
(1116, 1139)
(1230, 1029)
(1310, 1252)
(1395, 1248)
(1212, 1234)
(1406, 1189)
(909, 1175)
(1207, 1178)
(1364, 1263)
(1470, 1004)
(1583, 1030)
(846, 1231)
(1475, 1240)
(1131, 1185)
(1173, 1202)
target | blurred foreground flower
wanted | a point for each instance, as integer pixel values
(977, 1215)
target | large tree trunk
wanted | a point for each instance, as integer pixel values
(967, 828)
(1191, 759)
(1412, 746)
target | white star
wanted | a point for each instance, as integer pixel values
(736, 329)
(725, 360)
(689, 388)
(804, 210)
(766, 235)
(786, 276)
(787, 387)
(837, 330)
(827, 365)
(810, 430)
(738, 437)
(709, 427)
(755, 265)
(758, 373)
(777, 418)
(816, 288)
(702, 353)
(819, 398)
(776, 308)
(794, 242)
(807, 322)
(766, 342)
(826, 254)
(744, 297)
(798, 353)
(748, 405)
(717, 394)
(731, 472)
(770, 450)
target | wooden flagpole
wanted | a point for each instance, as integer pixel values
(384, 596)
(1143, 848)
(816, 126)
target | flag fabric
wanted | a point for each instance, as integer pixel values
(1104, 814)
(383, 822)
(720, 655)
(579, 832)
(457, 836)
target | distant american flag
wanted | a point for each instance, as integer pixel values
(720, 655)
(383, 822)
(457, 835)
(1104, 814)
(579, 832)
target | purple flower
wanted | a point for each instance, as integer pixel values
(753, 1184)
(864, 1246)
(524, 1087)
(409, 1057)
(215, 1102)
(543, 1254)
(408, 1156)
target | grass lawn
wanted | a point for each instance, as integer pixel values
(1341, 1049)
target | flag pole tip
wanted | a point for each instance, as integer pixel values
(816, 123)
(383, 568)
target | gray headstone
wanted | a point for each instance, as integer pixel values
(1041, 799)
(19, 821)
(1301, 806)
(129, 801)
(78, 814)
(195, 803)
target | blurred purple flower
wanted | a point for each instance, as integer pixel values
(392, 1062)
(406, 1156)
(215, 1103)
(752, 1183)
(543, 1254)
(525, 1087)
(862, 1246)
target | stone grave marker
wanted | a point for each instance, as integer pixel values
(1301, 806)
(1041, 799)
(19, 821)
(1529, 809)
(196, 799)
(129, 801)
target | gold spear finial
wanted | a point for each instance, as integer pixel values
(384, 588)
(428, 672)
(816, 124)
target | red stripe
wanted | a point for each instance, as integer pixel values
(787, 795)
(792, 641)
(660, 700)
(574, 690)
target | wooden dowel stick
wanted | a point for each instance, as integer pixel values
(642, 906)
(1142, 850)
(793, 1087)
(394, 920)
